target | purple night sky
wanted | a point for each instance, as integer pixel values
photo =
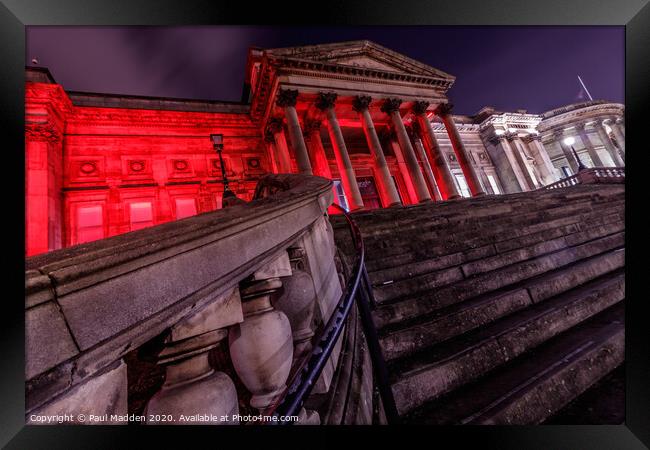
(533, 68)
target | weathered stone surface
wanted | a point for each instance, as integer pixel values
(533, 267)
(94, 402)
(47, 339)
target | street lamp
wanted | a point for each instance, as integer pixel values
(570, 141)
(217, 142)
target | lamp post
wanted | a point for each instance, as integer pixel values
(217, 142)
(570, 141)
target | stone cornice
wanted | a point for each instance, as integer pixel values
(89, 116)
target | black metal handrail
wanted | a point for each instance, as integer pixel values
(357, 288)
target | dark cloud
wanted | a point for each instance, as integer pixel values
(533, 68)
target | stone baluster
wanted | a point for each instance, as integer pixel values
(586, 143)
(441, 171)
(608, 144)
(275, 129)
(325, 102)
(287, 99)
(391, 107)
(192, 387)
(384, 179)
(297, 302)
(444, 111)
(261, 346)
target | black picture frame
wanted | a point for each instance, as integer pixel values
(16, 14)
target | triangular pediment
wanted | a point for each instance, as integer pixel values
(363, 54)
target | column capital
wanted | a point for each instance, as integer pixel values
(268, 136)
(531, 137)
(558, 134)
(390, 105)
(619, 120)
(286, 97)
(420, 107)
(326, 100)
(274, 125)
(444, 109)
(510, 136)
(580, 126)
(495, 139)
(361, 102)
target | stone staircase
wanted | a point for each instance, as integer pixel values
(497, 309)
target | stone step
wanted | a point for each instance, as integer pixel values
(485, 244)
(424, 293)
(405, 220)
(474, 235)
(451, 364)
(535, 385)
(404, 338)
(438, 259)
(515, 201)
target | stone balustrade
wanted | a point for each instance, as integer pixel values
(254, 281)
(591, 176)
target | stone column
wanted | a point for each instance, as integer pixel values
(444, 111)
(269, 140)
(401, 165)
(317, 155)
(442, 172)
(275, 129)
(621, 125)
(566, 150)
(542, 161)
(391, 107)
(261, 347)
(287, 99)
(586, 143)
(523, 160)
(512, 176)
(384, 179)
(191, 385)
(608, 144)
(618, 134)
(325, 102)
(422, 156)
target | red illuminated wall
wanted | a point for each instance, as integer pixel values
(98, 171)
(94, 172)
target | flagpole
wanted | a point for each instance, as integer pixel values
(585, 88)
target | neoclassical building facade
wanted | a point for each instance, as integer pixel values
(376, 122)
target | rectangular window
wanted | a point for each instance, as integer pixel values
(141, 215)
(462, 185)
(369, 193)
(343, 203)
(493, 183)
(90, 223)
(185, 207)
